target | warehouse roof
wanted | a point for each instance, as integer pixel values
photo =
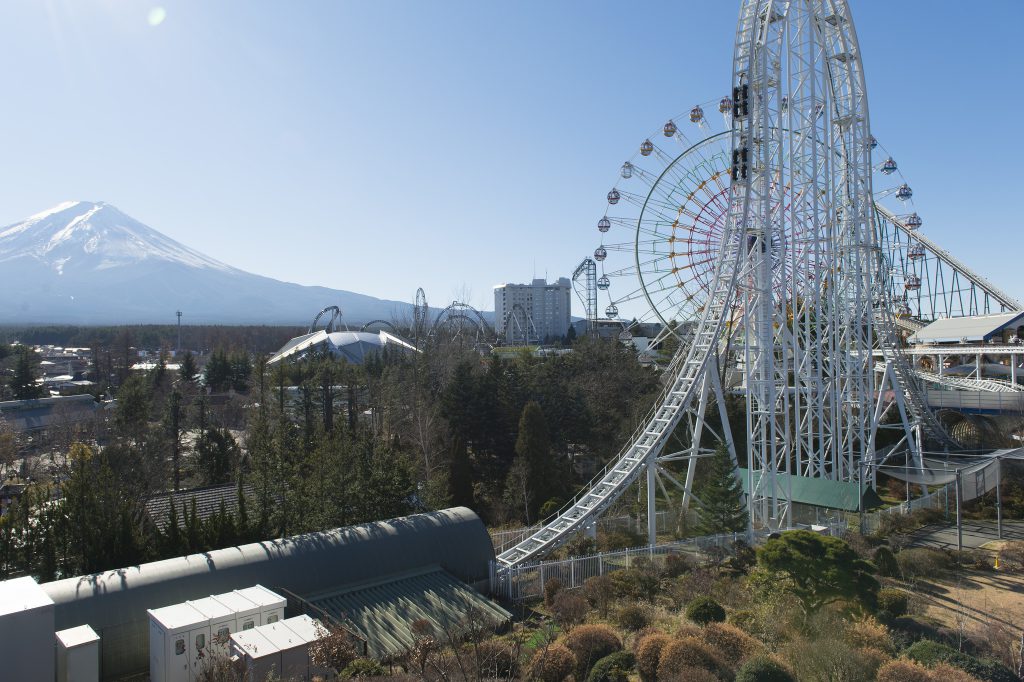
(114, 602)
(976, 328)
(208, 502)
(385, 610)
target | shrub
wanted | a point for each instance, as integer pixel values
(868, 633)
(687, 652)
(828, 659)
(496, 658)
(569, 609)
(930, 653)
(763, 669)
(690, 674)
(885, 560)
(591, 643)
(1011, 557)
(892, 603)
(552, 586)
(620, 539)
(902, 671)
(705, 610)
(922, 562)
(633, 617)
(598, 591)
(581, 545)
(676, 565)
(943, 672)
(613, 668)
(638, 584)
(648, 655)
(552, 664)
(731, 643)
(906, 630)
(364, 667)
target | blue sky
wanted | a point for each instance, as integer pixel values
(382, 145)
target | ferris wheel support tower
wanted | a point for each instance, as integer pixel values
(797, 301)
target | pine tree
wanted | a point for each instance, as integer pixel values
(23, 383)
(533, 446)
(172, 539)
(722, 510)
(188, 370)
(193, 528)
(460, 475)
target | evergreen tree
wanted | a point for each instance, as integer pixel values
(131, 415)
(173, 544)
(23, 382)
(218, 371)
(460, 475)
(722, 510)
(172, 426)
(193, 528)
(218, 455)
(188, 371)
(533, 447)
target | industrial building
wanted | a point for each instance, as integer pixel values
(531, 313)
(430, 564)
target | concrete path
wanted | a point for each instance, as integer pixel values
(975, 533)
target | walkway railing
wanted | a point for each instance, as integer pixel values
(939, 499)
(510, 537)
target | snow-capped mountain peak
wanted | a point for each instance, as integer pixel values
(90, 236)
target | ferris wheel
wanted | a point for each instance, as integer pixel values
(662, 225)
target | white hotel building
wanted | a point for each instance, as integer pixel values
(545, 311)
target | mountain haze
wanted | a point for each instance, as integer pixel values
(82, 262)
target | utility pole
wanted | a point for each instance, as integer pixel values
(179, 333)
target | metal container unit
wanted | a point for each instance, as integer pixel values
(280, 648)
(247, 614)
(222, 622)
(78, 655)
(271, 605)
(26, 631)
(178, 639)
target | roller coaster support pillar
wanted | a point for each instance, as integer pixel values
(999, 498)
(652, 496)
(959, 517)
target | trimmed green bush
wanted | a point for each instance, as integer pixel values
(929, 653)
(763, 669)
(364, 667)
(892, 603)
(705, 610)
(613, 668)
(633, 617)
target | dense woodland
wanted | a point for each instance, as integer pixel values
(311, 445)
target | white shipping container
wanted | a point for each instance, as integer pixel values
(178, 639)
(281, 648)
(222, 623)
(271, 605)
(78, 655)
(246, 613)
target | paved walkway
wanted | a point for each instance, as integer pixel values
(975, 533)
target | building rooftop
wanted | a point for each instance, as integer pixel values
(977, 328)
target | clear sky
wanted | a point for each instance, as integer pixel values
(380, 145)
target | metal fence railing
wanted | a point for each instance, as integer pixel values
(508, 538)
(519, 583)
(939, 499)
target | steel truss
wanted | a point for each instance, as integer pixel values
(797, 297)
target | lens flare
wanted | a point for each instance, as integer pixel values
(157, 16)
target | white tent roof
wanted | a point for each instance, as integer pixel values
(353, 346)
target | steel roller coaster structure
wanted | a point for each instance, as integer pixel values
(805, 297)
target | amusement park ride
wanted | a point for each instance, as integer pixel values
(773, 240)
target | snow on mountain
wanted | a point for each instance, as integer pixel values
(95, 236)
(88, 263)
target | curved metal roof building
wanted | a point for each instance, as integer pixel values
(353, 346)
(114, 603)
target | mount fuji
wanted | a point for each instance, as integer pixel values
(88, 263)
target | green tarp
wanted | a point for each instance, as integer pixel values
(818, 491)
